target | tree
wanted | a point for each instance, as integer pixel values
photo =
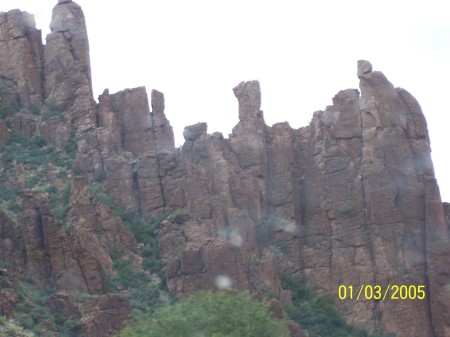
(209, 314)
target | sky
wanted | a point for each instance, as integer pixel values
(302, 53)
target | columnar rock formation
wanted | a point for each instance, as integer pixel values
(21, 56)
(350, 199)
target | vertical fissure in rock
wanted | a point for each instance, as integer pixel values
(367, 225)
(161, 189)
(134, 169)
(62, 245)
(122, 125)
(155, 149)
(427, 282)
(427, 272)
(39, 228)
(80, 267)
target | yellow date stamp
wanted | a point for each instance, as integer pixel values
(377, 292)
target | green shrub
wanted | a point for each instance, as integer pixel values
(317, 314)
(72, 326)
(347, 208)
(106, 200)
(38, 141)
(207, 313)
(10, 104)
(77, 171)
(51, 110)
(71, 148)
(9, 193)
(146, 233)
(15, 207)
(62, 173)
(32, 181)
(52, 189)
(33, 152)
(59, 202)
(145, 298)
(100, 176)
(2, 320)
(80, 297)
(35, 109)
(7, 158)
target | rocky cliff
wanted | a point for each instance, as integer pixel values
(350, 199)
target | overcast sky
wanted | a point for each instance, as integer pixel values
(302, 52)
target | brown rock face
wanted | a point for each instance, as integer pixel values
(67, 67)
(73, 258)
(104, 316)
(350, 199)
(21, 55)
(10, 240)
(3, 134)
(101, 315)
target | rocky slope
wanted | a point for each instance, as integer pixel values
(350, 199)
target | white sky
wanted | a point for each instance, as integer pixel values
(302, 52)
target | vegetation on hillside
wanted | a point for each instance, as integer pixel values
(145, 292)
(206, 313)
(317, 314)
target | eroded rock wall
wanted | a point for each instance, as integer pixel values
(21, 56)
(350, 199)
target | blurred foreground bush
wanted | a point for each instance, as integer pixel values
(212, 314)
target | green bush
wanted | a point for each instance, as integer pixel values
(33, 152)
(10, 104)
(52, 189)
(146, 233)
(7, 158)
(62, 173)
(15, 207)
(32, 310)
(317, 314)
(38, 141)
(52, 110)
(206, 313)
(9, 193)
(59, 202)
(347, 208)
(32, 181)
(71, 148)
(35, 109)
(144, 295)
(145, 298)
(106, 200)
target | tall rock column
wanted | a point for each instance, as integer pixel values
(395, 166)
(437, 259)
(68, 82)
(248, 143)
(21, 54)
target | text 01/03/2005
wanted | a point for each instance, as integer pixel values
(378, 292)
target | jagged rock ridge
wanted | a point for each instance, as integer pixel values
(350, 199)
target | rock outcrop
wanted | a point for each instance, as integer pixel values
(350, 199)
(67, 67)
(73, 257)
(21, 56)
